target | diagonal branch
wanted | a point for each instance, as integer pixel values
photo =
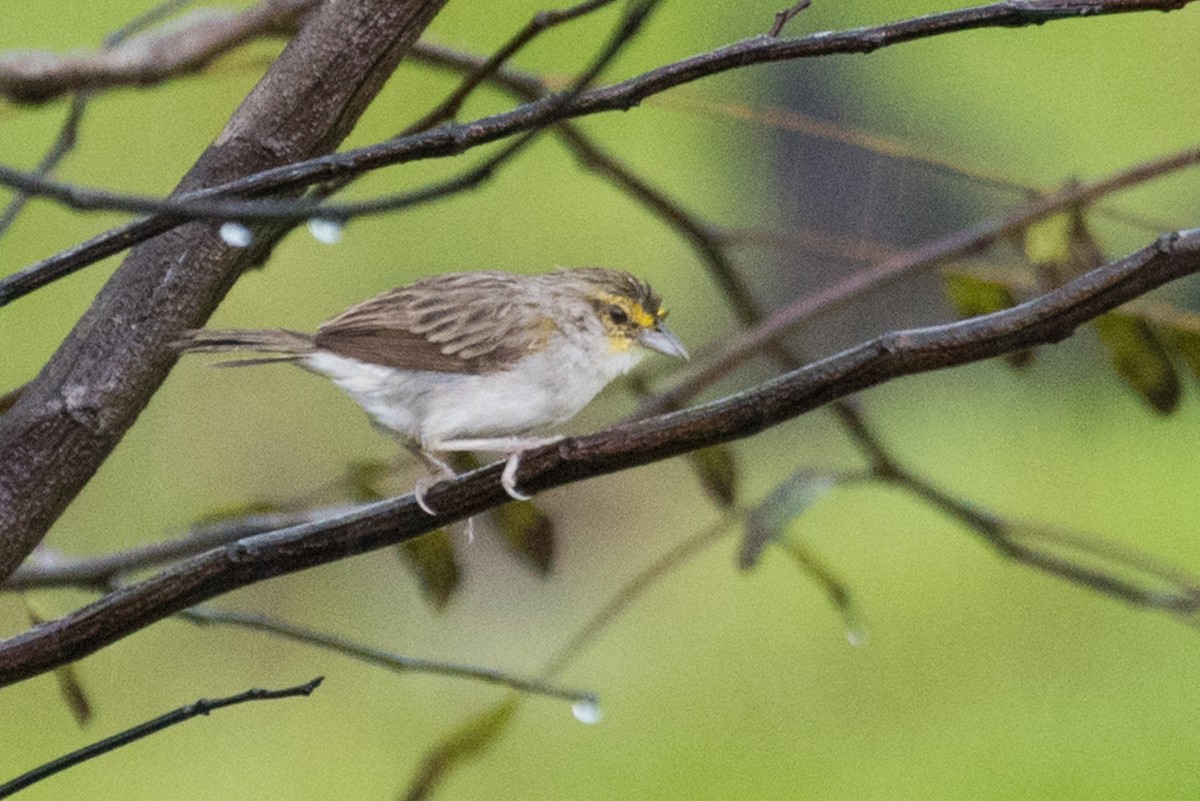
(1046, 319)
(958, 245)
(72, 415)
(188, 46)
(203, 707)
(453, 139)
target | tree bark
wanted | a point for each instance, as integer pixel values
(88, 395)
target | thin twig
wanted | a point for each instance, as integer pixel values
(191, 45)
(633, 589)
(202, 707)
(453, 139)
(267, 210)
(784, 17)
(68, 133)
(540, 23)
(958, 245)
(381, 658)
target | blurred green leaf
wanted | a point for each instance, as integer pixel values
(362, 479)
(431, 558)
(768, 521)
(69, 686)
(1178, 330)
(977, 291)
(1062, 247)
(528, 532)
(1048, 243)
(237, 511)
(973, 295)
(468, 741)
(1139, 359)
(717, 469)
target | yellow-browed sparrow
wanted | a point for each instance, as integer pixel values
(474, 361)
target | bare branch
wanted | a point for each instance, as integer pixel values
(452, 139)
(489, 67)
(384, 659)
(958, 245)
(68, 133)
(203, 707)
(186, 47)
(782, 18)
(49, 569)
(68, 419)
(1046, 319)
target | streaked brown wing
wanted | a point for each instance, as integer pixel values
(459, 323)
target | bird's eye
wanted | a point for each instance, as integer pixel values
(618, 315)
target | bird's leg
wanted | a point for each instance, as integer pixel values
(513, 446)
(439, 470)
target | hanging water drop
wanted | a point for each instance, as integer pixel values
(327, 232)
(587, 711)
(857, 636)
(236, 235)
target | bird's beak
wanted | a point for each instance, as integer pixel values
(660, 338)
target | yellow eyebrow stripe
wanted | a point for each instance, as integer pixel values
(634, 309)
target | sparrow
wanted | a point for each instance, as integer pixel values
(473, 361)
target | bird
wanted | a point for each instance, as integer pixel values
(472, 361)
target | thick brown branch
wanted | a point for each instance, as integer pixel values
(188, 46)
(69, 418)
(1047, 319)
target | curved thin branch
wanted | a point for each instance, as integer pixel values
(453, 139)
(185, 47)
(203, 707)
(385, 659)
(1046, 319)
(69, 418)
(961, 244)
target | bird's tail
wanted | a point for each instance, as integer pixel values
(284, 345)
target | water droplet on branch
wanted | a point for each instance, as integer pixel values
(327, 232)
(587, 712)
(236, 235)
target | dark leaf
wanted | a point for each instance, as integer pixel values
(69, 686)
(1139, 359)
(431, 558)
(768, 521)
(716, 468)
(363, 478)
(467, 742)
(528, 532)
(1178, 330)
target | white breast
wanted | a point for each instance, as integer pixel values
(543, 389)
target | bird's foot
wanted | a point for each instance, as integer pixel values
(508, 479)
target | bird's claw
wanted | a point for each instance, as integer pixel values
(508, 479)
(419, 492)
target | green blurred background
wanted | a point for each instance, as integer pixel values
(980, 679)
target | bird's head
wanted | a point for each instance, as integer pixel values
(630, 312)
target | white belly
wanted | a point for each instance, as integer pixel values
(543, 389)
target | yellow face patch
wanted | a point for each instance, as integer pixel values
(640, 317)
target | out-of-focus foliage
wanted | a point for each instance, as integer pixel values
(981, 680)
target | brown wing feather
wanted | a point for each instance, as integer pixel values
(479, 322)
